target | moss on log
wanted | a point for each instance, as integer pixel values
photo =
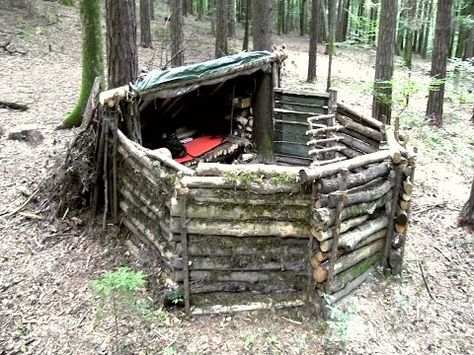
(342, 279)
(225, 211)
(244, 229)
(372, 172)
(325, 216)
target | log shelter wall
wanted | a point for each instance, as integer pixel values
(235, 236)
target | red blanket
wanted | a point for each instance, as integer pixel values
(199, 146)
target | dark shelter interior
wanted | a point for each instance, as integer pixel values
(211, 123)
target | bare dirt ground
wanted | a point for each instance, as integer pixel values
(46, 268)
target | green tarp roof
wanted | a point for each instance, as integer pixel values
(187, 75)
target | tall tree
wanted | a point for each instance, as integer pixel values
(92, 58)
(302, 17)
(176, 29)
(152, 10)
(145, 30)
(466, 217)
(426, 36)
(245, 44)
(222, 16)
(122, 59)
(332, 37)
(281, 17)
(322, 22)
(382, 102)
(342, 20)
(262, 24)
(231, 15)
(465, 25)
(409, 32)
(439, 60)
(313, 41)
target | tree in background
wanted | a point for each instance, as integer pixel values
(382, 102)
(245, 44)
(122, 59)
(466, 25)
(231, 21)
(222, 27)
(262, 24)
(466, 217)
(332, 38)
(441, 46)
(313, 41)
(92, 58)
(145, 18)
(410, 31)
(176, 28)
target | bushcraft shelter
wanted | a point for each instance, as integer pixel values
(253, 197)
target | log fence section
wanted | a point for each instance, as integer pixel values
(255, 230)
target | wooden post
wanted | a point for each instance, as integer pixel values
(332, 109)
(337, 228)
(184, 246)
(263, 118)
(393, 211)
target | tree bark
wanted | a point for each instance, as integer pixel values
(222, 27)
(466, 217)
(411, 18)
(302, 17)
(145, 18)
(92, 58)
(231, 18)
(245, 44)
(382, 102)
(313, 41)
(262, 25)
(426, 36)
(434, 109)
(122, 59)
(263, 117)
(176, 28)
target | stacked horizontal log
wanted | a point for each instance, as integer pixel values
(247, 232)
(360, 135)
(359, 228)
(145, 186)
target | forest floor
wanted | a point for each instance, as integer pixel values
(46, 267)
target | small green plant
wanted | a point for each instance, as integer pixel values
(26, 32)
(67, 2)
(249, 341)
(119, 298)
(471, 141)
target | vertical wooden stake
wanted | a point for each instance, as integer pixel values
(105, 172)
(184, 244)
(393, 212)
(114, 169)
(337, 228)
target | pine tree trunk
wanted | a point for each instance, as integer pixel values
(408, 50)
(426, 36)
(145, 31)
(176, 28)
(342, 20)
(439, 61)
(469, 51)
(245, 44)
(466, 217)
(231, 17)
(289, 25)
(262, 25)
(373, 22)
(332, 37)
(402, 20)
(92, 58)
(463, 34)
(322, 22)
(122, 60)
(382, 102)
(281, 17)
(152, 10)
(302, 17)
(221, 28)
(313, 41)
(200, 9)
